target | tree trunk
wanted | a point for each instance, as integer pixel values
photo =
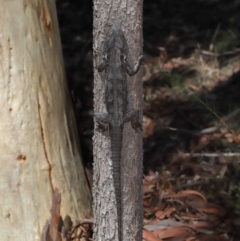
(129, 15)
(39, 146)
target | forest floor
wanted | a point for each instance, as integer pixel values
(191, 112)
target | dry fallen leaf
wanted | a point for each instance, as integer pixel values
(173, 232)
(185, 194)
(149, 236)
(165, 213)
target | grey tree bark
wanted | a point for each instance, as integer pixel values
(129, 14)
(39, 145)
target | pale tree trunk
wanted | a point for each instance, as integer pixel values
(129, 15)
(39, 147)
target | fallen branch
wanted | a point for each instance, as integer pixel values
(212, 154)
(232, 52)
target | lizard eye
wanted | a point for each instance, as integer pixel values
(106, 57)
(123, 57)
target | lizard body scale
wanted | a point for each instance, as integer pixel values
(115, 64)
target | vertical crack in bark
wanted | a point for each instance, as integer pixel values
(10, 60)
(9, 77)
(44, 146)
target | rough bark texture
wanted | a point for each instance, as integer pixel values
(129, 15)
(39, 146)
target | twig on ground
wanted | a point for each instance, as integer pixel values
(212, 154)
(232, 52)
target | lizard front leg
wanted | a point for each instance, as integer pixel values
(104, 63)
(131, 70)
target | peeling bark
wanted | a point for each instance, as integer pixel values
(39, 145)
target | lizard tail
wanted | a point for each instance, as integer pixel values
(116, 147)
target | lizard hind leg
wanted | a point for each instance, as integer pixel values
(103, 121)
(133, 116)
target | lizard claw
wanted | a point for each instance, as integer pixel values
(102, 127)
(136, 125)
(140, 59)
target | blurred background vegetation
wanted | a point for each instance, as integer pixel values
(191, 91)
